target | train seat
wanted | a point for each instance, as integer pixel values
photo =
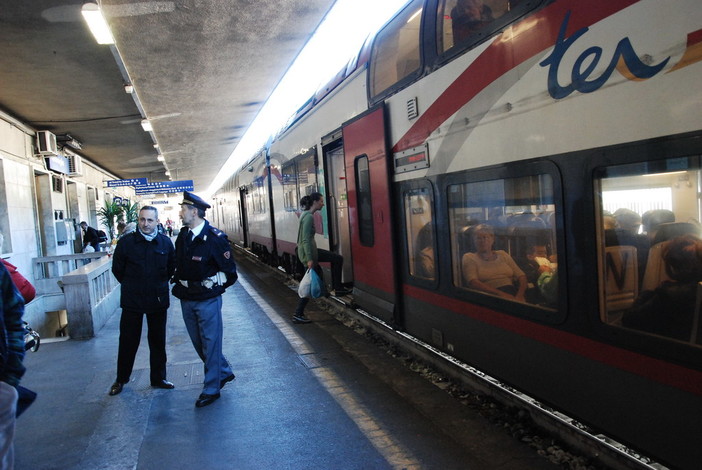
(655, 268)
(622, 279)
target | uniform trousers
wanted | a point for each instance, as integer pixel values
(129, 338)
(203, 320)
(8, 409)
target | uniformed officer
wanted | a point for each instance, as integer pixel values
(204, 269)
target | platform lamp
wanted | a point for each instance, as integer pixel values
(97, 24)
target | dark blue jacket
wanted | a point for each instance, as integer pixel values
(208, 254)
(144, 268)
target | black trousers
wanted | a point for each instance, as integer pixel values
(129, 338)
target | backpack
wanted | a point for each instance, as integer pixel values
(102, 236)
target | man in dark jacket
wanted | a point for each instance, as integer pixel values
(90, 236)
(11, 368)
(143, 262)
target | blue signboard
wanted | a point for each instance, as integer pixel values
(57, 163)
(129, 182)
(165, 187)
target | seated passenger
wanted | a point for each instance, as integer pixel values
(468, 17)
(653, 218)
(668, 310)
(492, 271)
(534, 264)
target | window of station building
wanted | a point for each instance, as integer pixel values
(461, 22)
(503, 238)
(396, 52)
(366, 231)
(650, 251)
(419, 230)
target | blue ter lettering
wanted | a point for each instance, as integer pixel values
(581, 72)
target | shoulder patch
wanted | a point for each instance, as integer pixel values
(217, 232)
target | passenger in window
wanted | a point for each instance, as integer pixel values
(668, 310)
(468, 17)
(652, 219)
(491, 271)
(534, 264)
(424, 260)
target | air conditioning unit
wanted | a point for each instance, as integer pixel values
(46, 142)
(75, 165)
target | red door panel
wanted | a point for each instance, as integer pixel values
(370, 214)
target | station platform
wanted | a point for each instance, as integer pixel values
(311, 396)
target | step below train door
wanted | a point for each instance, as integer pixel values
(337, 201)
(370, 217)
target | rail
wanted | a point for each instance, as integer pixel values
(91, 297)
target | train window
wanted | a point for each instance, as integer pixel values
(290, 195)
(395, 53)
(307, 174)
(503, 238)
(419, 218)
(650, 248)
(365, 208)
(462, 22)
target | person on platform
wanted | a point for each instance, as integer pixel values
(202, 254)
(143, 263)
(11, 368)
(90, 237)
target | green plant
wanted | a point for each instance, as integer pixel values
(109, 215)
(131, 213)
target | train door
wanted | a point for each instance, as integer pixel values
(369, 201)
(242, 217)
(337, 202)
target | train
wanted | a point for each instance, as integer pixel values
(551, 123)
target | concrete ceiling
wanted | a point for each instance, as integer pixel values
(202, 69)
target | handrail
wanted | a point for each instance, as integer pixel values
(49, 269)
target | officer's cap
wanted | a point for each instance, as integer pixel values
(191, 199)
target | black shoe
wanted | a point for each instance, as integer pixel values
(115, 389)
(300, 319)
(226, 380)
(342, 291)
(205, 399)
(163, 384)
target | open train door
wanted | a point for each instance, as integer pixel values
(242, 217)
(370, 214)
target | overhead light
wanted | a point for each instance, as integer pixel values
(146, 125)
(129, 89)
(168, 173)
(161, 158)
(155, 146)
(97, 24)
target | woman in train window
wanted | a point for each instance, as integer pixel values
(494, 272)
(669, 309)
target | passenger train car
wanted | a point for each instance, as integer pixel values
(562, 138)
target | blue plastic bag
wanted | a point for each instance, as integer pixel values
(316, 286)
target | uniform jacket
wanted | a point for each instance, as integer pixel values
(143, 268)
(11, 330)
(208, 254)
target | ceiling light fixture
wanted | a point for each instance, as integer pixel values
(146, 125)
(129, 89)
(97, 24)
(161, 158)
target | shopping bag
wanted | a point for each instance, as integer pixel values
(316, 286)
(303, 289)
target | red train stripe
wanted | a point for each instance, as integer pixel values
(659, 371)
(537, 34)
